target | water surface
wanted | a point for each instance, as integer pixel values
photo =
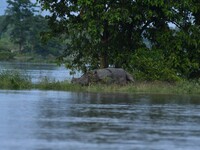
(51, 120)
(39, 71)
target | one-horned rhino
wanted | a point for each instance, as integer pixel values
(106, 76)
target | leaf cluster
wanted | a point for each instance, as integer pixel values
(113, 33)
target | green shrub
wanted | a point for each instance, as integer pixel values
(52, 84)
(14, 80)
(150, 65)
(5, 55)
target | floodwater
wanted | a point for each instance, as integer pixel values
(53, 120)
(39, 71)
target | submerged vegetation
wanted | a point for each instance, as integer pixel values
(16, 81)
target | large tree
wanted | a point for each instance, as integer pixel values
(110, 32)
(24, 25)
(99, 32)
(19, 15)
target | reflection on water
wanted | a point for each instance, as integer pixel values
(38, 71)
(46, 120)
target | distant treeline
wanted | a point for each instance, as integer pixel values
(24, 32)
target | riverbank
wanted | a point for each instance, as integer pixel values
(183, 87)
(16, 81)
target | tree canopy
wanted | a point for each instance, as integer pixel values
(18, 14)
(21, 27)
(156, 38)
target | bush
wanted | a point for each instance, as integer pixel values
(14, 80)
(150, 65)
(5, 55)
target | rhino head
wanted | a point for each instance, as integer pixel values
(83, 80)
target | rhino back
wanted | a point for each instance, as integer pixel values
(118, 75)
(103, 73)
(117, 72)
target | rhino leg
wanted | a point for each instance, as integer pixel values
(129, 77)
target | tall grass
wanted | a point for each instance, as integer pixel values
(14, 80)
(183, 87)
(48, 84)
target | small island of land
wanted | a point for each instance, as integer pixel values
(15, 81)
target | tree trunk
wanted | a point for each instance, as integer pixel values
(103, 55)
(103, 60)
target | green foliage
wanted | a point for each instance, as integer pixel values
(14, 80)
(151, 65)
(5, 50)
(40, 45)
(21, 28)
(188, 87)
(47, 84)
(5, 43)
(19, 14)
(101, 33)
(6, 55)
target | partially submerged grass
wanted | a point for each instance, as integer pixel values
(183, 87)
(15, 80)
(47, 84)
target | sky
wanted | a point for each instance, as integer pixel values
(3, 6)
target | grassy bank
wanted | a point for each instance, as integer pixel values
(183, 87)
(16, 81)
